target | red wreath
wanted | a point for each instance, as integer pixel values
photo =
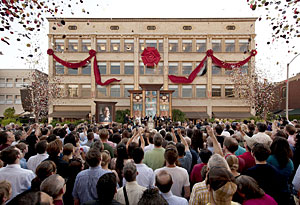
(150, 56)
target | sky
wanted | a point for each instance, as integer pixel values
(271, 59)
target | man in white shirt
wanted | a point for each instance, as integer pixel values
(150, 141)
(20, 179)
(35, 160)
(179, 175)
(164, 182)
(131, 190)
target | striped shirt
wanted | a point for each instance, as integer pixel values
(200, 194)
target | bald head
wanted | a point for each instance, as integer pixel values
(163, 181)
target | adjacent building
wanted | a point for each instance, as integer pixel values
(182, 44)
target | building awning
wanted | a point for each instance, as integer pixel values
(232, 115)
(70, 114)
(291, 112)
(196, 115)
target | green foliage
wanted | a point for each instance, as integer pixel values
(75, 122)
(178, 115)
(9, 113)
(10, 120)
(120, 115)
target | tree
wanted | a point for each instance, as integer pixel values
(178, 115)
(9, 113)
(120, 115)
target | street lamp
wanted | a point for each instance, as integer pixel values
(287, 88)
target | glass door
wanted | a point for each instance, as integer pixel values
(150, 104)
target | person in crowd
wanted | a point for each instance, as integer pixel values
(151, 196)
(20, 136)
(106, 159)
(43, 170)
(196, 146)
(179, 175)
(32, 197)
(184, 154)
(261, 136)
(85, 184)
(150, 145)
(6, 139)
(19, 178)
(230, 145)
(106, 189)
(54, 149)
(24, 149)
(131, 192)
(220, 138)
(233, 163)
(195, 176)
(90, 137)
(55, 187)
(252, 194)
(5, 191)
(108, 145)
(164, 182)
(35, 160)
(291, 131)
(68, 151)
(155, 158)
(247, 156)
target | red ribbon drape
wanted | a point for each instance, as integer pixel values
(216, 61)
(83, 63)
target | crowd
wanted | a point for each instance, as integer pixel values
(172, 163)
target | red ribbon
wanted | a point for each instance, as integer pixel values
(83, 63)
(216, 61)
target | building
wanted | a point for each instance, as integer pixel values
(11, 81)
(182, 44)
(294, 97)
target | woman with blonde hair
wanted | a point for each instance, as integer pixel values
(106, 161)
(233, 163)
(68, 152)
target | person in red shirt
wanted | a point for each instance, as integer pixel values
(196, 177)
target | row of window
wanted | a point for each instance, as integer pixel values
(121, 91)
(127, 68)
(13, 82)
(174, 45)
(10, 99)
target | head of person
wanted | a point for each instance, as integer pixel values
(20, 135)
(51, 138)
(106, 187)
(130, 172)
(54, 148)
(131, 147)
(105, 156)
(233, 162)
(138, 155)
(158, 140)
(22, 147)
(290, 129)
(10, 155)
(32, 197)
(75, 166)
(197, 139)
(45, 131)
(248, 188)
(68, 149)
(204, 155)
(70, 138)
(62, 132)
(45, 169)
(219, 129)
(152, 197)
(54, 186)
(41, 147)
(104, 134)
(261, 127)
(261, 152)
(230, 144)
(282, 151)
(6, 137)
(106, 112)
(98, 145)
(93, 157)
(5, 191)
(171, 154)
(217, 160)
(181, 149)
(163, 181)
(90, 136)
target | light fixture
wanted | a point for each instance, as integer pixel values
(183, 48)
(115, 47)
(170, 48)
(102, 47)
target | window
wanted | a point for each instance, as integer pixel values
(114, 27)
(86, 45)
(9, 99)
(73, 45)
(72, 71)
(142, 46)
(216, 70)
(201, 45)
(151, 43)
(102, 68)
(187, 68)
(128, 45)
(160, 45)
(187, 27)
(243, 45)
(151, 27)
(230, 45)
(2, 99)
(216, 45)
(229, 91)
(86, 91)
(126, 88)
(216, 91)
(173, 68)
(245, 68)
(203, 71)
(128, 68)
(86, 70)
(114, 45)
(59, 45)
(59, 69)
(115, 68)
(115, 91)
(175, 88)
(173, 45)
(150, 70)
(62, 90)
(101, 45)
(101, 91)
(9, 83)
(284, 92)
(142, 69)
(2, 83)
(228, 71)
(187, 45)
(187, 91)
(201, 91)
(26, 82)
(73, 91)
(160, 68)
(19, 82)
(18, 100)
